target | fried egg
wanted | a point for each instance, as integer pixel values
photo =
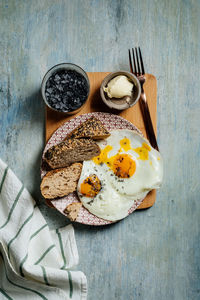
(99, 196)
(130, 162)
(125, 171)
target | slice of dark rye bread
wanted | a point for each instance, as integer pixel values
(60, 182)
(71, 151)
(92, 128)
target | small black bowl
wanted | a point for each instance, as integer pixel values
(67, 93)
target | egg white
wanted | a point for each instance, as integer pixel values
(108, 204)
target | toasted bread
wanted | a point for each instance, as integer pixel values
(72, 210)
(71, 151)
(60, 182)
(92, 128)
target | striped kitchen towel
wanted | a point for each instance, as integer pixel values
(34, 260)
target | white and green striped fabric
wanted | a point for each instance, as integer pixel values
(35, 261)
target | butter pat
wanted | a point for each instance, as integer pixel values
(119, 87)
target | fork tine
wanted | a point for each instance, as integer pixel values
(141, 61)
(139, 73)
(134, 62)
(130, 61)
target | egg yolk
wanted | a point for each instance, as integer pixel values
(143, 151)
(103, 156)
(125, 144)
(124, 166)
(91, 186)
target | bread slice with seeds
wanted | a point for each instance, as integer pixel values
(60, 182)
(72, 210)
(71, 151)
(92, 128)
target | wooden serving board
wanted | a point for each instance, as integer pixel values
(94, 103)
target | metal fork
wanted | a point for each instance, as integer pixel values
(139, 71)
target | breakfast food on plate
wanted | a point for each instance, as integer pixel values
(125, 171)
(117, 170)
(119, 87)
(70, 151)
(60, 182)
(72, 210)
(92, 128)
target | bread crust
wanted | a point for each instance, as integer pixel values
(71, 151)
(92, 128)
(72, 210)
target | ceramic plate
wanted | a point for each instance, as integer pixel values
(111, 122)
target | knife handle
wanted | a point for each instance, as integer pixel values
(147, 120)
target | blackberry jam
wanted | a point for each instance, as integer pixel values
(66, 90)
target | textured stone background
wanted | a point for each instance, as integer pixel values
(152, 254)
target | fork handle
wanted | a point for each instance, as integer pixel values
(147, 120)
